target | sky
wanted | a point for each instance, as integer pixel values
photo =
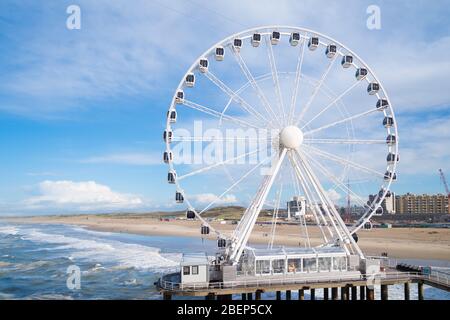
(82, 111)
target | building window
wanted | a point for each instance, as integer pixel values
(194, 269)
(186, 270)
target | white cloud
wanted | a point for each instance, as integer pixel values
(84, 195)
(206, 198)
(333, 195)
(143, 159)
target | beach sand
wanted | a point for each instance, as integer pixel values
(412, 243)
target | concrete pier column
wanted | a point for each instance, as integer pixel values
(210, 296)
(167, 296)
(288, 294)
(244, 296)
(334, 293)
(312, 294)
(249, 296)
(420, 290)
(325, 293)
(301, 294)
(370, 293)
(278, 295)
(354, 293)
(258, 295)
(384, 292)
(406, 290)
(344, 293)
(362, 293)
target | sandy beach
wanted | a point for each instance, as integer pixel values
(414, 243)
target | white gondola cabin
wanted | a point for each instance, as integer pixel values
(379, 211)
(294, 39)
(171, 177)
(347, 61)
(203, 65)
(373, 88)
(361, 73)
(275, 37)
(167, 135)
(392, 158)
(388, 175)
(388, 122)
(190, 80)
(204, 230)
(179, 198)
(168, 156)
(172, 115)
(220, 53)
(256, 39)
(237, 44)
(179, 97)
(190, 214)
(382, 104)
(390, 139)
(313, 43)
(331, 50)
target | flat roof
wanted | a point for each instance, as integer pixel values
(282, 251)
(190, 259)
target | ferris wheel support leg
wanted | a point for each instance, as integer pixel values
(240, 240)
(336, 220)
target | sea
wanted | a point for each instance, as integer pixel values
(41, 261)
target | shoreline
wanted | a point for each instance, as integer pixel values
(411, 243)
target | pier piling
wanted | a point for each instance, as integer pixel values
(167, 296)
(301, 294)
(278, 295)
(312, 294)
(420, 290)
(249, 296)
(334, 293)
(384, 292)
(325, 293)
(370, 293)
(344, 293)
(288, 294)
(258, 295)
(354, 293)
(362, 293)
(406, 290)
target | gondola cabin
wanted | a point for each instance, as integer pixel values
(179, 197)
(172, 115)
(382, 104)
(347, 61)
(390, 139)
(190, 80)
(392, 158)
(171, 177)
(379, 211)
(331, 50)
(313, 43)
(361, 73)
(167, 136)
(190, 214)
(237, 44)
(256, 39)
(179, 97)
(168, 156)
(203, 65)
(388, 175)
(373, 88)
(294, 38)
(388, 122)
(220, 53)
(274, 37)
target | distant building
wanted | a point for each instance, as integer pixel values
(424, 203)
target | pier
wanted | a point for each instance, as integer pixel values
(348, 286)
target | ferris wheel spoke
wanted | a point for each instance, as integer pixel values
(343, 161)
(235, 96)
(275, 217)
(335, 179)
(314, 207)
(276, 82)
(245, 70)
(362, 114)
(217, 139)
(343, 141)
(346, 91)
(204, 169)
(236, 183)
(316, 89)
(298, 74)
(217, 114)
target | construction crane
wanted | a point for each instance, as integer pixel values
(444, 181)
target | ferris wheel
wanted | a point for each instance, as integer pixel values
(278, 115)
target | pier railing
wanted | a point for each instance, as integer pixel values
(263, 283)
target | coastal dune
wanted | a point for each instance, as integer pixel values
(413, 243)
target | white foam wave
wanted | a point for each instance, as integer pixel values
(9, 230)
(104, 250)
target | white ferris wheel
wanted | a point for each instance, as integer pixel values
(308, 116)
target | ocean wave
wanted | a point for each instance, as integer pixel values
(102, 250)
(9, 230)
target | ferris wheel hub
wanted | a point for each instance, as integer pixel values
(291, 137)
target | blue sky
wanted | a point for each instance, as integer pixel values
(84, 109)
